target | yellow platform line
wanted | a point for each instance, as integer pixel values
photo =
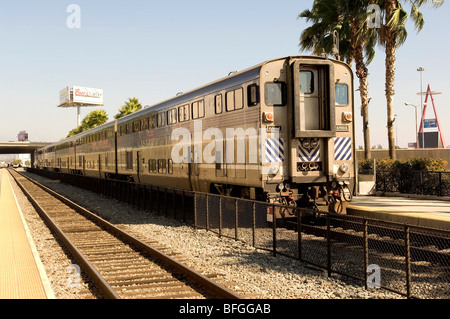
(22, 274)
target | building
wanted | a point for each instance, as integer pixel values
(23, 136)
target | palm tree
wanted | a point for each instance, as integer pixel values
(130, 107)
(356, 42)
(393, 34)
(93, 119)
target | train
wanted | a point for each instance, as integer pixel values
(281, 132)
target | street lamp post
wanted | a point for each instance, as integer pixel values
(421, 69)
(417, 136)
(396, 131)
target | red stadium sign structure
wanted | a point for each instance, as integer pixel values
(429, 94)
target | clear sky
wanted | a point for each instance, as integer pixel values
(153, 49)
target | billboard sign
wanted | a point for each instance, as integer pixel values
(64, 96)
(86, 95)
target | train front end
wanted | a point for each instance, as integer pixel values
(308, 118)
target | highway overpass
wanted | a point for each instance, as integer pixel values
(21, 148)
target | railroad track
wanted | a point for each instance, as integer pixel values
(120, 265)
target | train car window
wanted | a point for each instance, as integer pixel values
(170, 166)
(162, 166)
(275, 93)
(238, 99)
(201, 108)
(161, 120)
(152, 121)
(234, 100)
(144, 124)
(152, 168)
(229, 100)
(172, 116)
(252, 95)
(218, 103)
(136, 126)
(183, 113)
(341, 92)
(198, 109)
(306, 82)
(127, 128)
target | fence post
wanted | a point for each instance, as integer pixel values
(440, 184)
(157, 199)
(145, 197)
(299, 233)
(165, 201)
(151, 198)
(253, 223)
(174, 205)
(366, 251)
(328, 245)
(220, 217)
(407, 262)
(182, 206)
(139, 196)
(195, 210)
(207, 211)
(236, 219)
(274, 228)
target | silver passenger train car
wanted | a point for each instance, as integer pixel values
(281, 131)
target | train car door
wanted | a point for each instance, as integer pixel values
(100, 165)
(139, 165)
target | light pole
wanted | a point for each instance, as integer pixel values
(421, 69)
(417, 136)
(396, 131)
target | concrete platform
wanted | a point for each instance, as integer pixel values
(418, 212)
(22, 275)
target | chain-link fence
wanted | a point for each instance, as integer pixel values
(413, 261)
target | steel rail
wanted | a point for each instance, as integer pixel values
(211, 286)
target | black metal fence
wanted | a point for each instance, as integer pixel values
(413, 182)
(412, 261)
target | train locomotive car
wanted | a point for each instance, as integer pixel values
(281, 131)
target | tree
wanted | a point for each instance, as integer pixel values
(356, 42)
(130, 107)
(393, 34)
(93, 119)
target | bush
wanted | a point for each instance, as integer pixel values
(413, 175)
(410, 164)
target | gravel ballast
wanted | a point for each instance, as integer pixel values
(249, 272)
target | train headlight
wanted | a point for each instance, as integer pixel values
(268, 117)
(273, 170)
(347, 117)
(344, 168)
